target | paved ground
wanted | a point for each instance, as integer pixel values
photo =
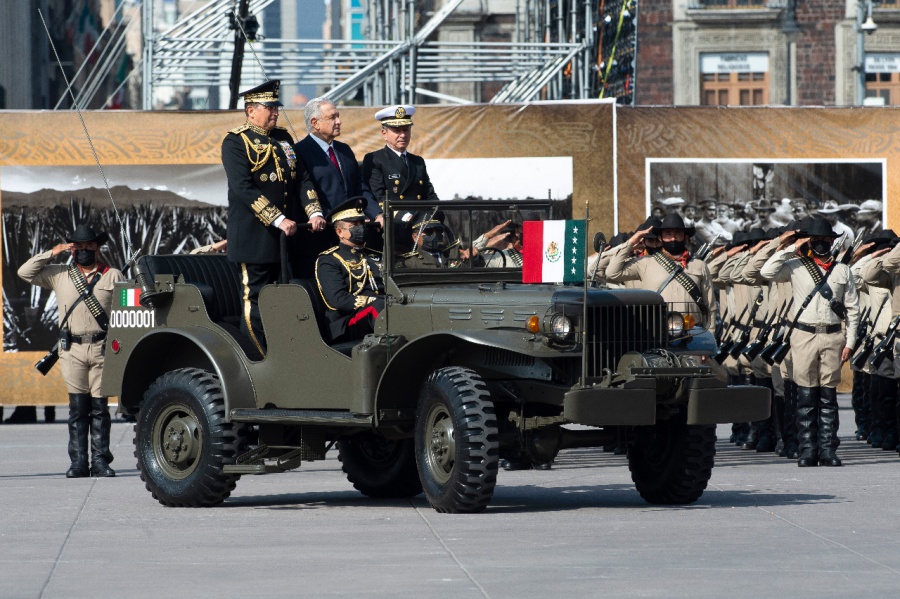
(764, 528)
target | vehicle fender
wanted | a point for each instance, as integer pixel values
(402, 379)
(162, 350)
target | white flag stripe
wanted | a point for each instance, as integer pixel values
(554, 232)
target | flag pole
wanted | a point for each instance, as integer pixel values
(584, 342)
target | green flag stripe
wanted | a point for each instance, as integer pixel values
(575, 235)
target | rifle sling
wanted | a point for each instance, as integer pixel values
(820, 282)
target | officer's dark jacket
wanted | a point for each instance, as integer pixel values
(349, 279)
(384, 170)
(265, 180)
(333, 187)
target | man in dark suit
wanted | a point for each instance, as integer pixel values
(392, 171)
(264, 182)
(335, 175)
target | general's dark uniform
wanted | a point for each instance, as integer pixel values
(264, 182)
(349, 280)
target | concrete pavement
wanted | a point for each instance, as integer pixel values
(764, 528)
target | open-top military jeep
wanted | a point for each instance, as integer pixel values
(467, 366)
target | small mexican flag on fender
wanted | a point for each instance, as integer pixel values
(553, 251)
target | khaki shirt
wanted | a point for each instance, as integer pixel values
(782, 266)
(55, 277)
(884, 271)
(649, 274)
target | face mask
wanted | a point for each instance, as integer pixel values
(433, 241)
(820, 247)
(676, 248)
(85, 257)
(357, 234)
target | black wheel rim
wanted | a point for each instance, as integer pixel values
(177, 440)
(440, 443)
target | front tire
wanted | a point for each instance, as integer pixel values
(671, 462)
(379, 467)
(182, 440)
(456, 441)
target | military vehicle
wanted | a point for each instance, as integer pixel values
(467, 366)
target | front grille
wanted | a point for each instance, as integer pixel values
(612, 331)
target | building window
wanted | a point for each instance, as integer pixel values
(718, 4)
(734, 79)
(883, 77)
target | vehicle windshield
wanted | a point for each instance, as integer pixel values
(465, 239)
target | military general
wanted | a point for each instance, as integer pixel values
(265, 180)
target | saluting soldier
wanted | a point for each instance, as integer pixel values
(349, 276)
(393, 171)
(264, 183)
(431, 243)
(824, 296)
(84, 292)
(672, 272)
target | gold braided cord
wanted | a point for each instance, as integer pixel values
(257, 163)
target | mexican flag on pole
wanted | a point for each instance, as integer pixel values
(553, 251)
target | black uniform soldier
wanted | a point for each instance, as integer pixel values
(84, 292)
(264, 183)
(392, 171)
(824, 295)
(349, 279)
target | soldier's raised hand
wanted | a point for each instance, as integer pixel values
(62, 247)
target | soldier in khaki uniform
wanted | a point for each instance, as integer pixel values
(819, 344)
(653, 272)
(82, 337)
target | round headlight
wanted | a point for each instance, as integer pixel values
(676, 324)
(560, 326)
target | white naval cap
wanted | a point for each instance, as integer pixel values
(396, 116)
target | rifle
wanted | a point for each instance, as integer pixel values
(752, 351)
(720, 325)
(780, 331)
(741, 343)
(706, 248)
(886, 347)
(862, 328)
(861, 356)
(726, 343)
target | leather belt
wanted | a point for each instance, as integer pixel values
(89, 337)
(818, 328)
(759, 324)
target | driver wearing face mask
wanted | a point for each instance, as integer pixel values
(690, 290)
(432, 242)
(349, 276)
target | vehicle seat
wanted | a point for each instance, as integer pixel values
(217, 278)
(319, 308)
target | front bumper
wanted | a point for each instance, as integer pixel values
(706, 400)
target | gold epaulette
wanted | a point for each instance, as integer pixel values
(330, 250)
(240, 129)
(409, 254)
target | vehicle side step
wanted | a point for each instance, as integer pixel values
(319, 417)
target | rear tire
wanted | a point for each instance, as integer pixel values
(456, 441)
(671, 462)
(182, 440)
(379, 467)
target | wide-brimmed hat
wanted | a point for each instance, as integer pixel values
(883, 236)
(673, 221)
(818, 227)
(829, 207)
(651, 222)
(756, 235)
(870, 207)
(86, 233)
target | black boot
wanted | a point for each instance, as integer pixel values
(887, 410)
(778, 426)
(807, 426)
(791, 447)
(752, 436)
(765, 428)
(828, 426)
(23, 415)
(79, 423)
(738, 429)
(49, 414)
(101, 422)
(860, 403)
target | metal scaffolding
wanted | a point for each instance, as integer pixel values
(550, 55)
